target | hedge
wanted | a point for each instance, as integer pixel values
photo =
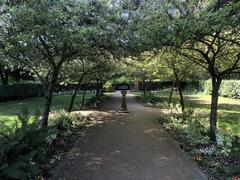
(20, 91)
(228, 88)
(160, 85)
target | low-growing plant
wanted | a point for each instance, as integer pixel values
(23, 148)
(96, 101)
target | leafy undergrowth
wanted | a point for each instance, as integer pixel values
(228, 111)
(97, 101)
(220, 159)
(29, 152)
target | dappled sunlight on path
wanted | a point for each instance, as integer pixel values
(129, 146)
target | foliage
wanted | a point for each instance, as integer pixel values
(228, 88)
(166, 85)
(65, 121)
(23, 148)
(190, 131)
(20, 91)
(96, 101)
(44, 37)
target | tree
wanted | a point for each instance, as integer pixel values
(43, 36)
(84, 69)
(205, 32)
(179, 68)
(216, 50)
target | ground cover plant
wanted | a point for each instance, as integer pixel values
(30, 152)
(229, 113)
(190, 130)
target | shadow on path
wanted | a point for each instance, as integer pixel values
(126, 147)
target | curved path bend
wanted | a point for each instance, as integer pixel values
(127, 147)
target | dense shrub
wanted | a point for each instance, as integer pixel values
(96, 101)
(26, 149)
(161, 85)
(229, 88)
(20, 91)
(23, 148)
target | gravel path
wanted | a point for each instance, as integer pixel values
(127, 147)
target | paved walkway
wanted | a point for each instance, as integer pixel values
(127, 147)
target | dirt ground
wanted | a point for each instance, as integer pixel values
(130, 146)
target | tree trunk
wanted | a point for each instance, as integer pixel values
(4, 78)
(181, 97)
(83, 97)
(47, 104)
(216, 82)
(144, 88)
(99, 88)
(181, 100)
(48, 98)
(171, 93)
(149, 89)
(75, 93)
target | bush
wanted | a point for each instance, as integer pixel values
(23, 148)
(229, 88)
(96, 101)
(20, 91)
(162, 85)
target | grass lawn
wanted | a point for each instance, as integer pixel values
(229, 109)
(7, 109)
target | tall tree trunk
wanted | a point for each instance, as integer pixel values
(48, 98)
(98, 89)
(75, 93)
(144, 88)
(101, 88)
(83, 96)
(181, 97)
(4, 77)
(181, 100)
(216, 82)
(171, 94)
(47, 104)
(149, 89)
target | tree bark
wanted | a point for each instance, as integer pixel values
(216, 82)
(4, 75)
(144, 88)
(98, 89)
(83, 96)
(181, 97)
(75, 93)
(4, 78)
(149, 89)
(181, 100)
(171, 93)
(48, 98)
(47, 104)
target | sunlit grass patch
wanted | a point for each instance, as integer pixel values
(228, 111)
(8, 110)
